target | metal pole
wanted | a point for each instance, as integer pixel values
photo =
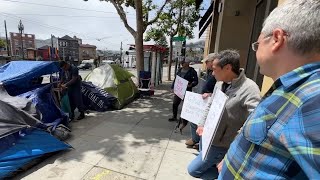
(5, 27)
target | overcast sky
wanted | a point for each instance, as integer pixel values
(99, 22)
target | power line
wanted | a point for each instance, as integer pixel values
(44, 25)
(60, 15)
(54, 6)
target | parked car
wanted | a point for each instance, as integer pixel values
(85, 66)
(107, 62)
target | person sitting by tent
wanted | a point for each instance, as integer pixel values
(71, 80)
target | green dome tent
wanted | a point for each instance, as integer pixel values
(116, 81)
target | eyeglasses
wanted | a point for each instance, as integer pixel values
(255, 45)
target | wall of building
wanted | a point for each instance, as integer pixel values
(28, 41)
(69, 49)
(234, 27)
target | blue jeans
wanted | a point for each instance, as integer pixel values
(194, 136)
(207, 169)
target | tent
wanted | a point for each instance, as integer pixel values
(21, 76)
(116, 81)
(22, 140)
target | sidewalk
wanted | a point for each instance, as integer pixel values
(137, 142)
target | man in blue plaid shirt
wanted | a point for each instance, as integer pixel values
(281, 138)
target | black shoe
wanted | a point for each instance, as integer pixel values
(172, 119)
(82, 116)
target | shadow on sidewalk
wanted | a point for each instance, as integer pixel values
(135, 137)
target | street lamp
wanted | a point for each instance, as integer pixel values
(21, 28)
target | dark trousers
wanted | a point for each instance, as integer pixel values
(175, 105)
(75, 98)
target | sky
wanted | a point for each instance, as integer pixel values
(95, 22)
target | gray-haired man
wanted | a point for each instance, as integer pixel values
(281, 138)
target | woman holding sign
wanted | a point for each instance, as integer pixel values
(188, 73)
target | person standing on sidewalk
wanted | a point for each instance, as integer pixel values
(71, 81)
(206, 91)
(188, 73)
(244, 96)
(281, 138)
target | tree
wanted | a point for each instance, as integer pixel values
(178, 18)
(158, 36)
(143, 9)
(2, 43)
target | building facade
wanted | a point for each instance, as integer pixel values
(20, 43)
(234, 24)
(69, 49)
(88, 51)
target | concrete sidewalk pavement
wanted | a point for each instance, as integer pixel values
(136, 142)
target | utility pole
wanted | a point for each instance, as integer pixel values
(21, 28)
(5, 27)
(121, 53)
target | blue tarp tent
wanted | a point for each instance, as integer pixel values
(22, 140)
(18, 76)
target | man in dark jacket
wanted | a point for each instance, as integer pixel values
(188, 73)
(206, 91)
(71, 81)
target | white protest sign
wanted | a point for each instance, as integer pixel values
(194, 106)
(180, 87)
(213, 119)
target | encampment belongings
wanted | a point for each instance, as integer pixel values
(45, 102)
(23, 78)
(96, 99)
(116, 81)
(22, 140)
(146, 88)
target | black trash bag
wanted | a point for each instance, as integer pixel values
(96, 99)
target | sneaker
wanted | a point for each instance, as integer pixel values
(172, 119)
(189, 142)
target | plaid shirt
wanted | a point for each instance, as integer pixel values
(281, 138)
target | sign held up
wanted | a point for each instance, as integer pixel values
(180, 87)
(194, 106)
(213, 120)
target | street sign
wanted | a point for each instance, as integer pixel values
(179, 38)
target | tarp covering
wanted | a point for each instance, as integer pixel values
(96, 99)
(13, 119)
(18, 75)
(43, 99)
(19, 149)
(116, 81)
